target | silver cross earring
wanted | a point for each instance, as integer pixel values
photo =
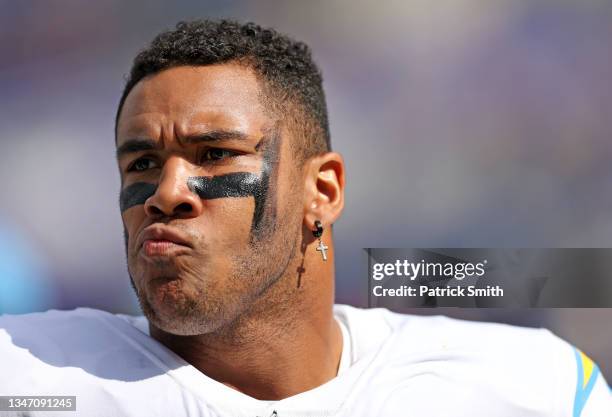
(318, 233)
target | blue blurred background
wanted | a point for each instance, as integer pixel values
(470, 123)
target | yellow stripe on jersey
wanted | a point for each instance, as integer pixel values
(587, 376)
(587, 368)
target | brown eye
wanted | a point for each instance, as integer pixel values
(142, 164)
(217, 154)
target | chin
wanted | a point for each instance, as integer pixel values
(180, 327)
(187, 305)
(176, 320)
(184, 316)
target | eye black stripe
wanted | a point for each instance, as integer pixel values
(237, 184)
(135, 194)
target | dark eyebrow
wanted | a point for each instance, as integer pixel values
(215, 136)
(139, 145)
(135, 145)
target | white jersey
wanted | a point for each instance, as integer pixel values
(392, 365)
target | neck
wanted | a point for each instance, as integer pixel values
(286, 343)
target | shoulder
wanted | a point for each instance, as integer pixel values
(61, 342)
(408, 335)
(433, 333)
(440, 332)
(518, 368)
(513, 361)
(53, 329)
(103, 359)
(57, 332)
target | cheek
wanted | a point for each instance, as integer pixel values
(228, 221)
(133, 220)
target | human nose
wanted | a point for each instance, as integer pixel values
(173, 198)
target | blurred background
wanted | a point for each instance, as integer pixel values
(470, 123)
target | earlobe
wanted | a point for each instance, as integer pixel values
(324, 189)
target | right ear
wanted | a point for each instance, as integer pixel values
(323, 189)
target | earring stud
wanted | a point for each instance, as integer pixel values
(318, 233)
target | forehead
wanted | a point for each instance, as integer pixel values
(177, 100)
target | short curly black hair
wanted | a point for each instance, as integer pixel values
(291, 78)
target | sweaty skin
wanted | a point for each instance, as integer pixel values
(218, 217)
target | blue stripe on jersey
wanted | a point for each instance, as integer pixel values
(583, 388)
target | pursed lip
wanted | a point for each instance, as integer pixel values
(163, 234)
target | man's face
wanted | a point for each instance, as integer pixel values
(202, 170)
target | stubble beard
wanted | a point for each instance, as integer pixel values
(224, 308)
